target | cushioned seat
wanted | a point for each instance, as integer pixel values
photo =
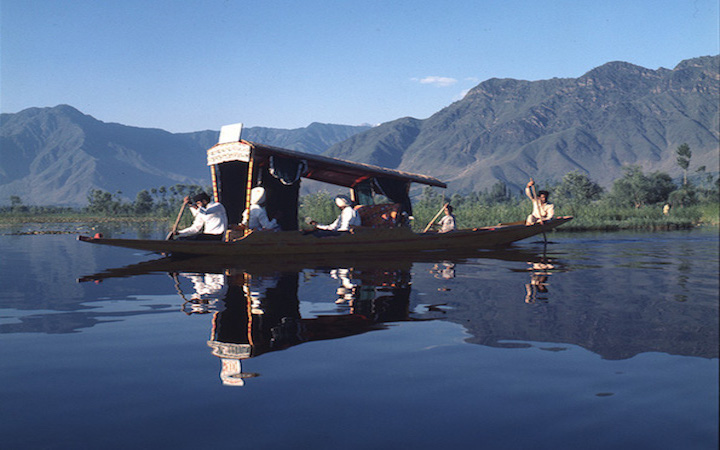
(379, 216)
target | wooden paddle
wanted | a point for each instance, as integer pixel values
(177, 222)
(434, 218)
(535, 199)
(533, 190)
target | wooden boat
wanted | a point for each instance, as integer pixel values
(360, 240)
(237, 166)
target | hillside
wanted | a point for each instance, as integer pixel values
(503, 129)
(511, 130)
(54, 156)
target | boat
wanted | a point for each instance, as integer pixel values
(237, 166)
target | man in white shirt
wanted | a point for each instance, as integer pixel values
(210, 221)
(348, 218)
(542, 210)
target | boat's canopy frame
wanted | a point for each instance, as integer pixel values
(239, 166)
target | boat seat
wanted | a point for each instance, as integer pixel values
(385, 215)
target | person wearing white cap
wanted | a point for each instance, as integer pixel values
(255, 217)
(348, 216)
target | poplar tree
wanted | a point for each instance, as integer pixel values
(683, 159)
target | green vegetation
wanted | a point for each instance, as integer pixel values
(156, 205)
(319, 207)
(683, 159)
(634, 202)
(160, 202)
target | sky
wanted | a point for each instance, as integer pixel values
(192, 65)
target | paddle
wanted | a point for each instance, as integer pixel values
(177, 222)
(434, 218)
(535, 199)
(533, 189)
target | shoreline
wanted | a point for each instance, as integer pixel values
(89, 224)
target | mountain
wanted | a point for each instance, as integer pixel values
(511, 130)
(503, 129)
(54, 156)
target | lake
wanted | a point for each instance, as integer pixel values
(593, 341)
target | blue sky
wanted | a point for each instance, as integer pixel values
(190, 65)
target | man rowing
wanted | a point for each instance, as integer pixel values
(210, 221)
(542, 210)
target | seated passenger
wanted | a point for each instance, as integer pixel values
(255, 218)
(348, 217)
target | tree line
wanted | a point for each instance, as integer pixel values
(156, 202)
(162, 201)
(635, 189)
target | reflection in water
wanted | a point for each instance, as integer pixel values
(444, 270)
(537, 289)
(261, 313)
(616, 299)
(209, 289)
(612, 296)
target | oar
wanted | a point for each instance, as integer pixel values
(535, 199)
(533, 190)
(434, 218)
(177, 222)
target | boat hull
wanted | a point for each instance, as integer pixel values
(361, 240)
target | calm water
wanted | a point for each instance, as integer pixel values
(598, 341)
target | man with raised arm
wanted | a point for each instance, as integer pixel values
(542, 210)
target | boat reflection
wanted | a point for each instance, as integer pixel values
(256, 308)
(506, 299)
(261, 313)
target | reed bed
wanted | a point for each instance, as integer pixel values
(597, 216)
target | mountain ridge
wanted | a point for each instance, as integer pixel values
(503, 129)
(56, 155)
(510, 130)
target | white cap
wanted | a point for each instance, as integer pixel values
(342, 201)
(257, 195)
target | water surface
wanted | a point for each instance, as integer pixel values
(597, 340)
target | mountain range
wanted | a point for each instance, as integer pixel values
(506, 130)
(510, 130)
(55, 156)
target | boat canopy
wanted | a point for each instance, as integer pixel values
(317, 167)
(239, 166)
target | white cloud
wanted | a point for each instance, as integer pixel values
(461, 95)
(436, 81)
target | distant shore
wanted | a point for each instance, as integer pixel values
(586, 218)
